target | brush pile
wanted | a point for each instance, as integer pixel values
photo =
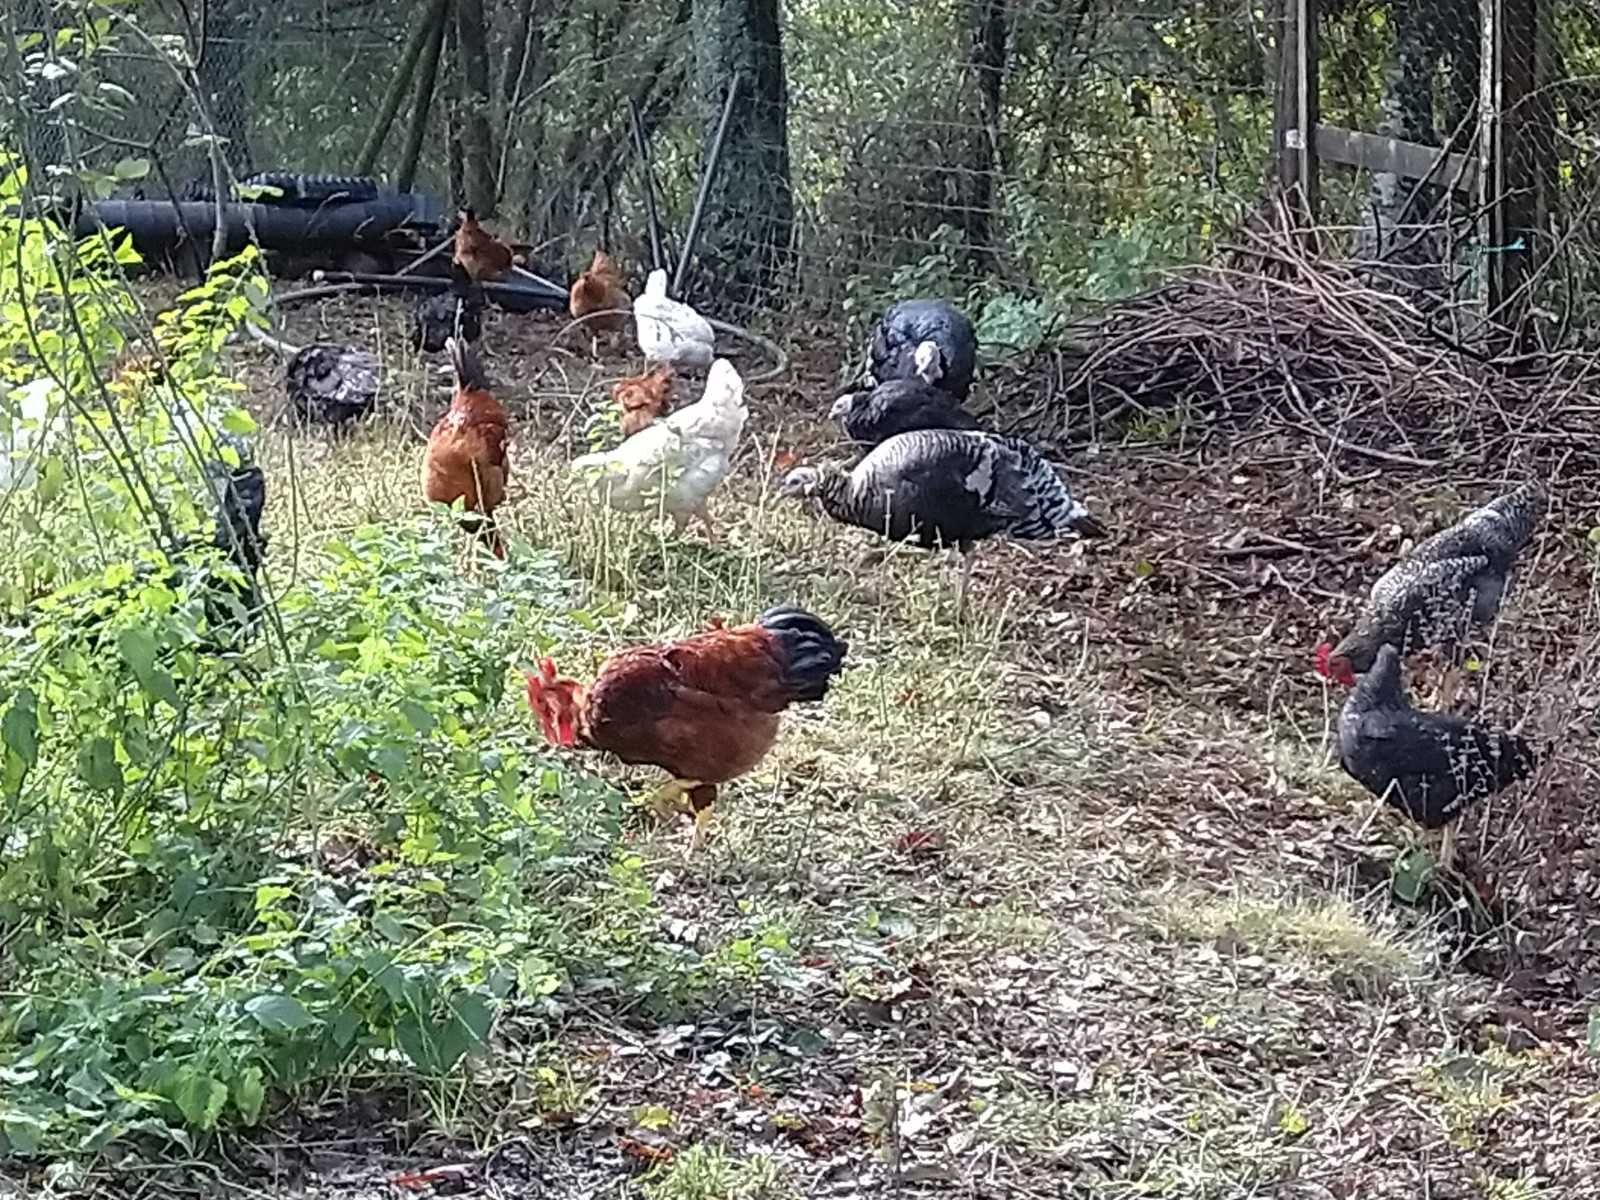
(1333, 350)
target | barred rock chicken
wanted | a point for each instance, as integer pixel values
(600, 291)
(643, 398)
(704, 709)
(670, 331)
(484, 257)
(1460, 574)
(468, 451)
(331, 385)
(678, 462)
(1430, 766)
(947, 487)
(455, 312)
(899, 406)
(906, 327)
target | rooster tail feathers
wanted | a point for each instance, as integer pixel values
(812, 655)
(464, 362)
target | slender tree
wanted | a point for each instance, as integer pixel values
(750, 208)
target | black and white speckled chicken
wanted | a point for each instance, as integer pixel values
(948, 487)
(1457, 576)
(898, 406)
(455, 312)
(1431, 766)
(892, 352)
(331, 385)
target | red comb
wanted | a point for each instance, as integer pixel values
(1324, 653)
(784, 459)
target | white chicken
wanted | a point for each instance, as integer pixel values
(669, 330)
(675, 464)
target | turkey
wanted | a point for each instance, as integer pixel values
(1430, 766)
(331, 385)
(948, 487)
(907, 326)
(670, 331)
(455, 312)
(899, 406)
(1460, 574)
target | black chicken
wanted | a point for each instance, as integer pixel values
(899, 406)
(226, 582)
(331, 385)
(455, 312)
(947, 487)
(1460, 574)
(893, 351)
(1430, 766)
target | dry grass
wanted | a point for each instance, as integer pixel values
(1133, 946)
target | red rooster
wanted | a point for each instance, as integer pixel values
(704, 708)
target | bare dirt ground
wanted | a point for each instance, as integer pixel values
(1063, 899)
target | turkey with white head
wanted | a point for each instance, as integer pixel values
(949, 487)
(930, 340)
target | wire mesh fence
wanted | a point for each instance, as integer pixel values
(1457, 143)
(1006, 151)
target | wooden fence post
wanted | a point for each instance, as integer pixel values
(1517, 150)
(1296, 110)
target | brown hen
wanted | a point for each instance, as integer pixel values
(600, 291)
(484, 257)
(643, 399)
(467, 457)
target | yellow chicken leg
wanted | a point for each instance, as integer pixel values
(667, 801)
(702, 823)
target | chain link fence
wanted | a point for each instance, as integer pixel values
(1024, 154)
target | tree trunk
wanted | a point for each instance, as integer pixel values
(477, 139)
(422, 102)
(750, 208)
(986, 62)
(455, 157)
(399, 85)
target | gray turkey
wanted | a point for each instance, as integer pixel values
(1430, 766)
(949, 363)
(331, 385)
(899, 406)
(1455, 578)
(455, 312)
(948, 487)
